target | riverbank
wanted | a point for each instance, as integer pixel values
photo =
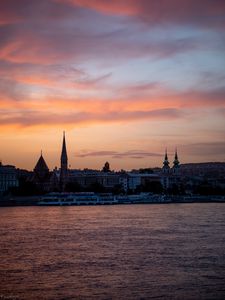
(19, 201)
(131, 199)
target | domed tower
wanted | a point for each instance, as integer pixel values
(166, 167)
(176, 163)
(106, 167)
(64, 164)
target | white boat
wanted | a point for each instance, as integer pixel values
(142, 198)
(68, 199)
(90, 198)
(84, 198)
(123, 199)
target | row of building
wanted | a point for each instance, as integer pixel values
(58, 179)
(107, 178)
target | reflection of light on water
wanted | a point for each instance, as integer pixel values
(97, 252)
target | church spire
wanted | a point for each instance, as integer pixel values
(166, 156)
(64, 163)
(166, 163)
(176, 161)
(64, 159)
(176, 164)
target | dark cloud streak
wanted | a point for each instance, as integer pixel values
(136, 154)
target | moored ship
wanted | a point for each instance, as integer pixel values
(83, 198)
(90, 198)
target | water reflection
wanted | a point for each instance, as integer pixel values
(119, 252)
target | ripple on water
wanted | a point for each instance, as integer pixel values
(113, 252)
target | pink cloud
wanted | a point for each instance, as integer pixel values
(146, 101)
(35, 117)
(202, 12)
(52, 76)
(41, 47)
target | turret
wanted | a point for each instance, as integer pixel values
(41, 169)
(106, 167)
(176, 163)
(166, 167)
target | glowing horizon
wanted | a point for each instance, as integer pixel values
(125, 79)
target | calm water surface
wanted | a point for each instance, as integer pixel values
(174, 251)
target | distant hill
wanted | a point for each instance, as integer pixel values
(211, 169)
(204, 164)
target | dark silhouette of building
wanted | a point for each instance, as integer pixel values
(170, 177)
(64, 164)
(207, 169)
(176, 164)
(8, 177)
(41, 169)
(44, 179)
(166, 167)
(106, 167)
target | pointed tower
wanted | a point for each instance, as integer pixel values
(41, 169)
(166, 167)
(64, 163)
(176, 163)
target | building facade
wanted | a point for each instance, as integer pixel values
(8, 178)
(44, 179)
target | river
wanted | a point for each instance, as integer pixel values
(162, 251)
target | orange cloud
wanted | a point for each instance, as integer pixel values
(34, 118)
(97, 110)
(72, 111)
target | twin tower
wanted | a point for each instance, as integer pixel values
(176, 164)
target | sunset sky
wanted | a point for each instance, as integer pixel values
(124, 78)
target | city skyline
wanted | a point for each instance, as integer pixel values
(133, 154)
(171, 158)
(124, 79)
